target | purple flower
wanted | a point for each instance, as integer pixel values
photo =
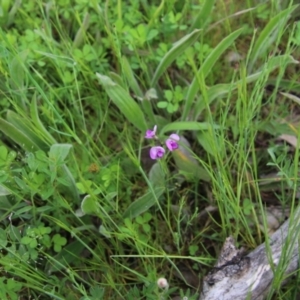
(171, 142)
(150, 134)
(157, 152)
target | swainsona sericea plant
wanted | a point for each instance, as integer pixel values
(157, 152)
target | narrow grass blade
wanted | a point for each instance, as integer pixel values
(124, 102)
(204, 15)
(142, 204)
(186, 125)
(178, 48)
(222, 90)
(269, 35)
(291, 97)
(206, 68)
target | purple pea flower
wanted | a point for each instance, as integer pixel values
(171, 142)
(157, 152)
(150, 134)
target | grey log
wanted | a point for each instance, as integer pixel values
(237, 276)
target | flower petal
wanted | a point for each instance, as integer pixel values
(150, 134)
(157, 152)
(174, 136)
(171, 142)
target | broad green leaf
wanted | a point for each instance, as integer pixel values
(3, 238)
(204, 139)
(69, 254)
(143, 203)
(133, 84)
(17, 71)
(6, 203)
(81, 33)
(37, 122)
(13, 11)
(3, 154)
(162, 104)
(178, 48)
(187, 125)
(151, 94)
(206, 67)
(4, 191)
(18, 136)
(124, 102)
(104, 231)
(27, 128)
(187, 164)
(203, 16)
(89, 206)
(58, 239)
(14, 233)
(72, 183)
(26, 240)
(17, 76)
(59, 152)
(129, 75)
(117, 79)
(269, 35)
(157, 175)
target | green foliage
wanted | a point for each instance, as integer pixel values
(9, 288)
(85, 213)
(173, 100)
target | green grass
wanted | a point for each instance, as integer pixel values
(85, 213)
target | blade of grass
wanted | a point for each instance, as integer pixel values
(178, 48)
(287, 85)
(204, 15)
(187, 125)
(268, 35)
(206, 68)
(221, 90)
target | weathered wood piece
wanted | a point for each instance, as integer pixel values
(237, 276)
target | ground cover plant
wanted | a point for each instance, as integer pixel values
(136, 136)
